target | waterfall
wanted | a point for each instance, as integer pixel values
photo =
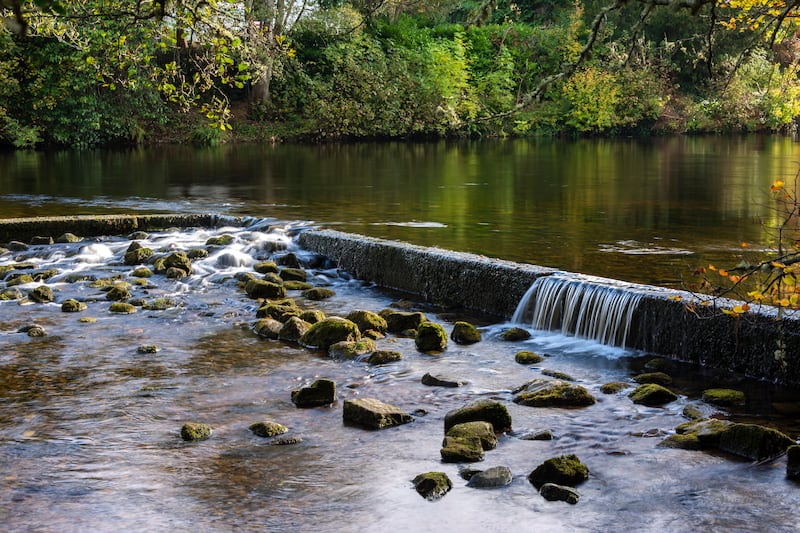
(593, 308)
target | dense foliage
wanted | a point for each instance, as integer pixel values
(92, 72)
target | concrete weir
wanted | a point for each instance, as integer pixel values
(757, 344)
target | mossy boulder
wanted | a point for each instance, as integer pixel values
(323, 334)
(220, 240)
(293, 329)
(197, 253)
(122, 308)
(193, 431)
(382, 357)
(312, 316)
(136, 254)
(65, 238)
(481, 429)
(289, 260)
(525, 357)
(397, 321)
(117, 293)
(348, 350)
(179, 261)
(431, 337)
(373, 414)
(553, 492)
(652, 395)
(432, 485)
(267, 428)
(435, 381)
(724, 397)
(41, 294)
(613, 387)
(707, 431)
(142, 272)
(515, 334)
(497, 476)
(552, 393)
(659, 378)
(18, 278)
(292, 285)
(486, 410)
(562, 470)
(282, 310)
(461, 450)
(272, 278)
(11, 293)
(44, 275)
(268, 328)
(256, 288)
(265, 267)
(72, 306)
(319, 293)
(321, 392)
(563, 376)
(293, 274)
(465, 333)
(754, 442)
(687, 441)
(159, 304)
(367, 321)
(692, 412)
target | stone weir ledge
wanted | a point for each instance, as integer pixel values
(660, 323)
(749, 344)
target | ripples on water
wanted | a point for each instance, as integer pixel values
(89, 427)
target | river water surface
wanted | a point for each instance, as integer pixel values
(89, 427)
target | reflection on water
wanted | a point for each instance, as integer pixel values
(89, 427)
(640, 210)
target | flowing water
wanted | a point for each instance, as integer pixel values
(89, 427)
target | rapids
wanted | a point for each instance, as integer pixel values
(89, 427)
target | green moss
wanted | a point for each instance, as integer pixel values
(432, 485)
(87, 320)
(461, 450)
(465, 333)
(15, 279)
(397, 321)
(558, 375)
(754, 442)
(563, 470)
(525, 357)
(481, 429)
(137, 256)
(351, 349)
(724, 397)
(42, 294)
(159, 304)
(546, 393)
(319, 293)
(659, 378)
(265, 267)
(490, 411)
(292, 285)
(382, 357)
(264, 289)
(312, 316)
(72, 306)
(142, 272)
(330, 331)
(147, 348)
(118, 293)
(367, 320)
(431, 337)
(268, 429)
(221, 240)
(515, 334)
(293, 274)
(688, 441)
(613, 387)
(122, 308)
(652, 395)
(193, 431)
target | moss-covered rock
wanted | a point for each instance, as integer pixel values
(724, 397)
(431, 337)
(525, 357)
(72, 306)
(293, 274)
(44, 275)
(41, 294)
(87, 320)
(282, 310)
(142, 272)
(292, 285)
(136, 254)
(65, 238)
(397, 321)
(465, 333)
(515, 334)
(461, 450)
(273, 278)
(497, 476)
(480, 429)
(180, 261)
(321, 392)
(707, 431)
(18, 278)
(11, 293)
(659, 378)
(159, 304)
(293, 329)
(256, 288)
(117, 293)
(147, 348)
(265, 267)
(34, 330)
(323, 334)
(687, 441)
(197, 253)
(552, 393)
(486, 410)
(122, 308)
(289, 260)
(312, 316)
(367, 321)
(652, 395)
(563, 376)
(348, 350)
(193, 431)
(373, 414)
(754, 442)
(692, 412)
(613, 387)
(562, 470)
(225, 239)
(553, 492)
(432, 485)
(268, 328)
(267, 428)
(382, 357)
(319, 293)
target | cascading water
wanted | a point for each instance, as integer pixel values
(593, 308)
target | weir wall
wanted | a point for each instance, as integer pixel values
(661, 324)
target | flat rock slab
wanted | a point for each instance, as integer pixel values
(374, 414)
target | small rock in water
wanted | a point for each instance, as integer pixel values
(433, 381)
(724, 397)
(432, 485)
(613, 387)
(525, 357)
(652, 395)
(553, 492)
(465, 333)
(268, 428)
(193, 431)
(321, 392)
(382, 357)
(374, 414)
(147, 348)
(462, 450)
(515, 334)
(542, 434)
(431, 337)
(33, 330)
(72, 306)
(497, 476)
(561, 470)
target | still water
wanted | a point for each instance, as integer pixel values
(639, 210)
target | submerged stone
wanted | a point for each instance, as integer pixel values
(432, 485)
(486, 410)
(652, 395)
(193, 431)
(330, 331)
(373, 414)
(724, 397)
(552, 393)
(321, 392)
(561, 470)
(465, 333)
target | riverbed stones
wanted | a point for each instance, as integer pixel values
(122, 308)
(269, 328)
(41, 294)
(11, 293)
(312, 316)
(754, 442)
(367, 321)
(321, 392)
(613, 387)
(220, 240)
(542, 392)
(484, 431)
(515, 334)
(293, 274)
(72, 306)
(136, 254)
(268, 428)
(195, 431)
(430, 337)
(33, 330)
(349, 350)
(465, 333)
(496, 476)
(142, 272)
(65, 238)
(382, 357)
(562, 470)
(525, 357)
(461, 450)
(660, 378)
(118, 293)
(563, 376)
(432, 485)
(18, 278)
(793, 462)
(333, 329)
(289, 260)
(159, 304)
(280, 310)
(264, 267)
(486, 410)
(724, 397)
(293, 329)
(398, 321)
(256, 289)
(179, 261)
(553, 492)
(435, 381)
(319, 293)
(708, 432)
(652, 395)
(373, 414)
